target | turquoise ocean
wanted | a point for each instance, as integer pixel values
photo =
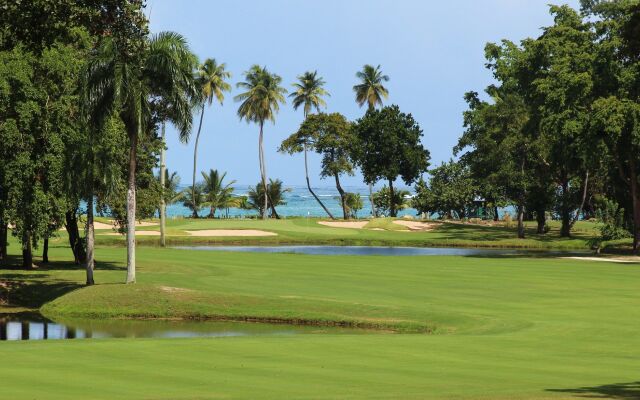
(299, 203)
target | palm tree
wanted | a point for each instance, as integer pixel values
(212, 81)
(260, 103)
(170, 193)
(218, 195)
(371, 91)
(193, 198)
(309, 92)
(275, 194)
(129, 87)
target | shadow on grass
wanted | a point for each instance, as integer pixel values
(482, 233)
(13, 262)
(31, 291)
(626, 391)
(20, 289)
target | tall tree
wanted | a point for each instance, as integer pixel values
(330, 136)
(260, 103)
(388, 145)
(127, 84)
(371, 91)
(561, 63)
(212, 81)
(500, 143)
(309, 92)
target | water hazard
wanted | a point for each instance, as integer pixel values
(35, 327)
(386, 251)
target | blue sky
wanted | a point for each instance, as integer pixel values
(432, 51)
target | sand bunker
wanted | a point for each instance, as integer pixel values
(416, 225)
(102, 225)
(230, 232)
(138, 233)
(614, 260)
(345, 224)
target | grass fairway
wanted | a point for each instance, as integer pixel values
(503, 328)
(380, 231)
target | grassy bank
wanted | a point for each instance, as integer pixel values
(502, 327)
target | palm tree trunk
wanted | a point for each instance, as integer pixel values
(90, 236)
(342, 199)
(131, 209)
(306, 173)
(263, 171)
(163, 206)
(195, 157)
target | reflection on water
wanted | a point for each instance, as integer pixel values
(385, 251)
(35, 327)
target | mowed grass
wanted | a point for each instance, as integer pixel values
(501, 328)
(381, 231)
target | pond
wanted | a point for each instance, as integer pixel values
(387, 251)
(35, 327)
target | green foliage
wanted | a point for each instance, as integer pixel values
(275, 196)
(194, 198)
(309, 92)
(370, 90)
(388, 145)
(611, 223)
(171, 183)
(384, 201)
(262, 97)
(218, 194)
(212, 79)
(354, 203)
(450, 191)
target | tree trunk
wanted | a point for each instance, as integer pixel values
(374, 213)
(635, 203)
(392, 206)
(306, 173)
(541, 219)
(75, 242)
(565, 214)
(342, 199)
(3, 240)
(584, 200)
(263, 172)
(163, 206)
(24, 330)
(45, 251)
(131, 209)
(195, 158)
(90, 264)
(520, 221)
(495, 214)
(27, 253)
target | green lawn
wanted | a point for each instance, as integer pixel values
(505, 328)
(308, 231)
